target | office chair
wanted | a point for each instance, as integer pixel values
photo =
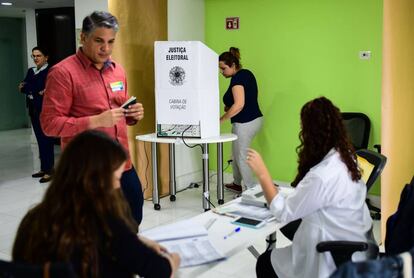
(23, 270)
(375, 159)
(358, 127)
(372, 164)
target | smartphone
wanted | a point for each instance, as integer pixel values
(249, 222)
(130, 101)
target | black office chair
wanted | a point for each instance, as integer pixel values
(342, 250)
(358, 127)
(22, 270)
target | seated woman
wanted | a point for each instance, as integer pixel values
(329, 196)
(84, 218)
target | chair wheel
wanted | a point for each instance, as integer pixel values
(172, 198)
(157, 206)
(221, 201)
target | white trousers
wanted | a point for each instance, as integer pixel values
(245, 133)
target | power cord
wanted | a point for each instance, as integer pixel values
(185, 143)
(207, 197)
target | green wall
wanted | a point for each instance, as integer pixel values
(13, 113)
(300, 50)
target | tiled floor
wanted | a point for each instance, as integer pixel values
(18, 192)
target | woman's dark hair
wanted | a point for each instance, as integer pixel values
(99, 19)
(74, 212)
(231, 57)
(41, 49)
(322, 130)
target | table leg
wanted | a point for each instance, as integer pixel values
(220, 188)
(206, 182)
(155, 194)
(172, 172)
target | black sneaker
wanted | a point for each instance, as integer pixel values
(38, 174)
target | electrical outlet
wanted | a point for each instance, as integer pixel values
(365, 55)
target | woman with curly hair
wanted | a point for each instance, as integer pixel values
(85, 220)
(329, 196)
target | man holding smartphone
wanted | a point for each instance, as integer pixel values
(86, 91)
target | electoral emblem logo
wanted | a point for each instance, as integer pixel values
(177, 76)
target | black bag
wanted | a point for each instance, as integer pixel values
(400, 226)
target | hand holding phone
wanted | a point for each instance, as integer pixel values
(130, 101)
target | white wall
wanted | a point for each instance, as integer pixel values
(85, 7)
(31, 35)
(186, 20)
(186, 23)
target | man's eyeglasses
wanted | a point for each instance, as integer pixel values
(36, 56)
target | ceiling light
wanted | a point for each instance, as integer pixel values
(6, 3)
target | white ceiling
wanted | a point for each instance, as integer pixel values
(19, 6)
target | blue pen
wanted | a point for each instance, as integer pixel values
(232, 232)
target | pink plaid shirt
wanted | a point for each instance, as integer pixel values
(76, 90)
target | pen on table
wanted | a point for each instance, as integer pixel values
(232, 232)
(210, 223)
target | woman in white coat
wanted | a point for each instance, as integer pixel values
(329, 196)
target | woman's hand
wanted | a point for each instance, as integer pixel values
(255, 162)
(173, 258)
(158, 248)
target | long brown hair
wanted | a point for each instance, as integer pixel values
(231, 57)
(323, 129)
(77, 205)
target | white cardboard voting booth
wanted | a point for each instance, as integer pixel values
(186, 90)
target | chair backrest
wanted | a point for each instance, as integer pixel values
(378, 162)
(20, 270)
(358, 127)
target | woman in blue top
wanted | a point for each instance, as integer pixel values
(242, 108)
(33, 86)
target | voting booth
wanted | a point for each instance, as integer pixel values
(186, 90)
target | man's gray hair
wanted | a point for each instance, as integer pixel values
(97, 20)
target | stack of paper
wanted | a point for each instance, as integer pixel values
(188, 239)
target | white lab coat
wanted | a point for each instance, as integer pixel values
(332, 207)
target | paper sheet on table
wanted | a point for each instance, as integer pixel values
(260, 213)
(240, 209)
(178, 230)
(194, 251)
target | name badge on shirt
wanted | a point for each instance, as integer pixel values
(117, 86)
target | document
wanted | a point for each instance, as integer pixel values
(240, 208)
(177, 230)
(187, 238)
(258, 213)
(194, 251)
